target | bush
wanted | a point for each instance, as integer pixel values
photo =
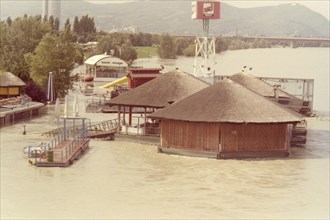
(34, 91)
(189, 51)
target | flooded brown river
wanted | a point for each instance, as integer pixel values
(121, 179)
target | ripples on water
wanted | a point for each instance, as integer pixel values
(119, 179)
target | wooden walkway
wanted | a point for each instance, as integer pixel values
(104, 129)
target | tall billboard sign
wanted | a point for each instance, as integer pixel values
(205, 10)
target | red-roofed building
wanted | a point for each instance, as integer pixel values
(139, 76)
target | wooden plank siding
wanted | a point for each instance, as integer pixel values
(197, 136)
(253, 137)
(224, 137)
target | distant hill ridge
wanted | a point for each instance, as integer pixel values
(174, 17)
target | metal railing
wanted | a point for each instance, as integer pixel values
(41, 151)
(138, 127)
(108, 125)
(71, 148)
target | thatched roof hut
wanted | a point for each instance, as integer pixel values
(10, 85)
(160, 92)
(8, 79)
(267, 90)
(226, 120)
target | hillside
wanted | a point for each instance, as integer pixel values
(174, 17)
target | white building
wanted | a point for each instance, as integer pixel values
(106, 68)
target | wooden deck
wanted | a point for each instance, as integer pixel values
(299, 134)
(63, 154)
(102, 134)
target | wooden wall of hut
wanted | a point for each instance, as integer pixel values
(224, 137)
(253, 137)
(199, 136)
(9, 91)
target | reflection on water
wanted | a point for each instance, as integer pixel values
(119, 179)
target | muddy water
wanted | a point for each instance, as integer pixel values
(120, 179)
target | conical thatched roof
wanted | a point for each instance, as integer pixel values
(162, 91)
(8, 79)
(257, 85)
(226, 101)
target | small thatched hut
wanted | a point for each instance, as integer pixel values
(269, 91)
(226, 120)
(157, 93)
(10, 85)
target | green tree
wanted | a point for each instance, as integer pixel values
(51, 21)
(56, 27)
(18, 39)
(54, 54)
(167, 48)
(67, 25)
(128, 53)
(220, 45)
(84, 29)
(9, 21)
(189, 51)
(105, 45)
(76, 25)
(182, 43)
(112, 42)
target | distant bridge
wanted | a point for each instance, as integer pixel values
(291, 40)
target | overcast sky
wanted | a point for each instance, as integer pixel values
(320, 6)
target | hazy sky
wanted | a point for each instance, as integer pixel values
(320, 6)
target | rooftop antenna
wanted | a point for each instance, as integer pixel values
(204, 64)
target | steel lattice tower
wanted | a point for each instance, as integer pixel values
(204, 64)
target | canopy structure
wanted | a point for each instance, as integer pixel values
(105, 67)
(162, 91)
(157, 93)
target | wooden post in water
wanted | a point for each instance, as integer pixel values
(118, 124)
(130, 116)
(145, 120)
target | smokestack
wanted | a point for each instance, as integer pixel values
(44, 8)
(54, 8)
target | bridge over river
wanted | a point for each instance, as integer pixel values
(292, 41)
